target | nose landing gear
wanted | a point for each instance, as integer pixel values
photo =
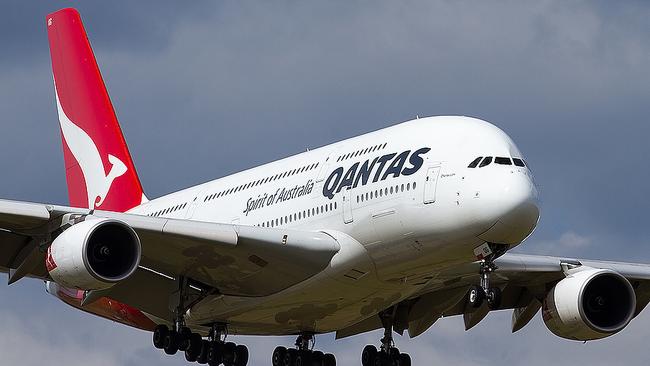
(487, 253)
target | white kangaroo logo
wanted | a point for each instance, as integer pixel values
(85, 151)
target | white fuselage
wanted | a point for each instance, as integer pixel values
(417, 210)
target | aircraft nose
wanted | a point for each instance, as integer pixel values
(511, 207)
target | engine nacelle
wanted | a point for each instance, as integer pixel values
(94, 254)
(589, 304)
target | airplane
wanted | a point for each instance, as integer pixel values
(389, 230)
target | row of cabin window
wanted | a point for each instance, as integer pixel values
(485, 161)
(384, 192)
(168, 210)
(300, 215)
(260, 181)
(361, 152)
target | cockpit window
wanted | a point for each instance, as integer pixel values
(474, 163)
(486, 161)
(518, 162)
(502, 161)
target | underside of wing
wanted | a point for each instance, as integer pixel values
(527, 283)
(43, 241)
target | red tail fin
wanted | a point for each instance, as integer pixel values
(99, 169)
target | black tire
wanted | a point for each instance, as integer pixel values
(278, 356)
(190, 356)
(184, 338)
(393, 353)
(171, 343)
(404, 359)
(317, 358)
(203, 355)
(241, 355)
(228, 353)
(368, 355)
(159, 334)
(475, 296)
(381, 359)
(494, 298)
(303, 358)
(215, 353)
(290, 357)
(329, 360)
(196, 343)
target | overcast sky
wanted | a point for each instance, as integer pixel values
(204, 90)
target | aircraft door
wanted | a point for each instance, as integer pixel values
(431, 183)
(347, 206)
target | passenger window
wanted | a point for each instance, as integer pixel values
(502, 161)
(486, 161)
(475, 162)
(518, 162)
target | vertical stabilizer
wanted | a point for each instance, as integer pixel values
(99, 169)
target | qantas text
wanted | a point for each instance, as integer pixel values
(360, 173)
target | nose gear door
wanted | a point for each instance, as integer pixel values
(431, 183)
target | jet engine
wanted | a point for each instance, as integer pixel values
(589, 304)
(94, 254)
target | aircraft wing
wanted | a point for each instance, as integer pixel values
(224, 258)
(525, 280)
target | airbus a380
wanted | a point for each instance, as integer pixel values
(388, 230)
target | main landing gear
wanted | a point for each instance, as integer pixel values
(302, 355)
(213, 351)
(388, 354)
(477, 294)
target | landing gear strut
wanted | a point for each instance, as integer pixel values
(388, 354)
(482, 292)
(302, 355)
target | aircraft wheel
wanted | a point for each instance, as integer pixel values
(404, 359)
(329, 360)
(368, 355)
(159, 334)
(171, 343)
(241, 355)
(215, 353)
(184, 338)
(190, 356)
(317, 358)
(494, 298)
(203, 355)
(196, 342)
(290, 357)
(228, 354)
(475, 296)
(278, 356)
